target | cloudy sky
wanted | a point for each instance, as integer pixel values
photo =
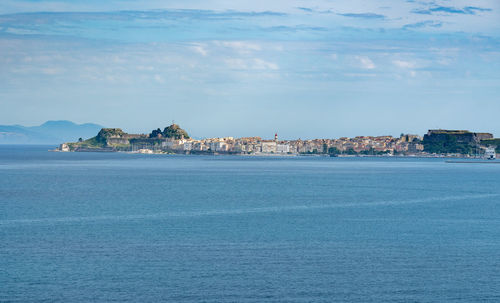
(315, 68)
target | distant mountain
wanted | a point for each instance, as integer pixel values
(51, 132)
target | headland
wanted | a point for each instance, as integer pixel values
(174, 139)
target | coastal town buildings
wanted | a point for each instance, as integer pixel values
(175, 140)
(256, 145)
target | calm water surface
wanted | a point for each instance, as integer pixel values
(80, 227)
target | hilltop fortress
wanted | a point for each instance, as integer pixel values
(174, 139)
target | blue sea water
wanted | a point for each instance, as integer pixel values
(96, 227)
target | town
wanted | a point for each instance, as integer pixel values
(174, 139)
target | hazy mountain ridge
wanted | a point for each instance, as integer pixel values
(50, 132)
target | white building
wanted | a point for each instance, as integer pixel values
(268, 146)
(282, 148)
(64, 147)
(188, 146)
(219, 146)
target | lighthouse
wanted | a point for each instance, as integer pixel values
(276, 137)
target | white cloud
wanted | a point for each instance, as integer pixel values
(145, 68)
(200, 50)
(234, 63)
(261, 64)
(365, 62)
(118, 59)
(159, 79)
(241, 46)
(359, 75)
(52, 71)
(255, 64)
(404, 64)
(444, 61)
(19, 31)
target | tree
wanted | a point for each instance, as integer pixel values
(333, 151)
(155, 133)
(351, 151)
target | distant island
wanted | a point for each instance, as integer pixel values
(174, 139)
(50, 132)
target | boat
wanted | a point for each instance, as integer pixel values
(490, 154)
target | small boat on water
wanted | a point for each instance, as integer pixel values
(490, 154)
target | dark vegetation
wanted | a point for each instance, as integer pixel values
(448, 144)
(172, 131)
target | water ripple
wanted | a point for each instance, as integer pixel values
(223, 212)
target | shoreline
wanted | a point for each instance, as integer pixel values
(423, 156)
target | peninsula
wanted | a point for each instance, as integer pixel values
(174, 139)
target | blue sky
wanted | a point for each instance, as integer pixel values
(238, 68)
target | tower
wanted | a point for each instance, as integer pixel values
(276, 137)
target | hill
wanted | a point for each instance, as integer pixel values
(173, 131)
(50, 132)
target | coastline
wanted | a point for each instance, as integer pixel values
(173, 139)
(283, 155)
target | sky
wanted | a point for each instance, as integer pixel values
(301, 68)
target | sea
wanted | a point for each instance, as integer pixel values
(117, 227)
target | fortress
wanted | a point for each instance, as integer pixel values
(461, 136)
